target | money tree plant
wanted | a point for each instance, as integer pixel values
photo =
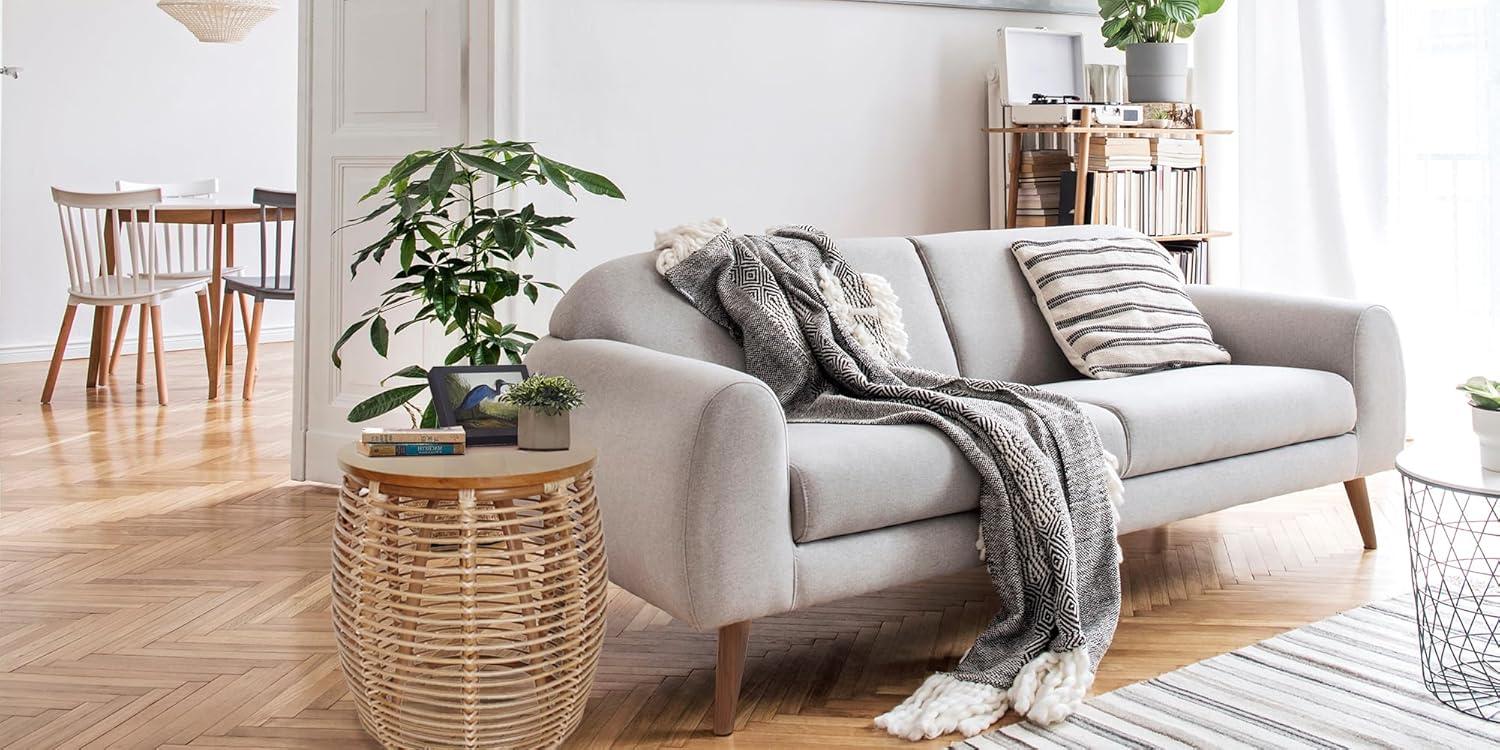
(457, 254)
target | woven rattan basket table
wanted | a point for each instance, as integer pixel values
(468, 595)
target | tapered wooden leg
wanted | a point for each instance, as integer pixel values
(226, 332)
(205, 321)
(1359, 500)
(93, 373)
(142, 346)
(57, 353)
(252, 343)
(114, 354)
(728, 672)
(105, 329)
(156, 351)
(245, 315)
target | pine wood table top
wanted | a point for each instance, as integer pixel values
(480, 467)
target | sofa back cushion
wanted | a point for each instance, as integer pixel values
(996, 329)
(626, 300)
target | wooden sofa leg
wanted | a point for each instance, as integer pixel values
(1359, 500)
(728, 672)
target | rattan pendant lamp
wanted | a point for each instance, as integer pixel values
(219, 20)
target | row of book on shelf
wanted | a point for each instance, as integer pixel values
(1152, 185)
(439, 441)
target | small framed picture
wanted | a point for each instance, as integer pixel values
(469, 397)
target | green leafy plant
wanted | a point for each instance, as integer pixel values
(457, 256)
(1129, 22)
(1483, 393)
(552, 394)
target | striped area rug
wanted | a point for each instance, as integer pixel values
(1349, 681)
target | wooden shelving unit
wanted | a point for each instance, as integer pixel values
(1083, 134)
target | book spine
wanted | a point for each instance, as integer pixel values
(374, 438)
(382, 450)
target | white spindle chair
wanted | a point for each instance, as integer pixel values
(90, 223)
(185, 250)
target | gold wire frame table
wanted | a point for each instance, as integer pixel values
(468, 595)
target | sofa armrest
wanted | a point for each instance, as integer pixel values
(1355, 340)
(692, 478)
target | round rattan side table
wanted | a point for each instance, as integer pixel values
(468, 595)
(1453, 527)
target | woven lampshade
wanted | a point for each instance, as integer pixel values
(219, 20)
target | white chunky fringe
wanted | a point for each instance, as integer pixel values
(888, 310)
(1048, 689)
(1052, 686)
(1115, 490)
(884, 306)
(943, 704)
(675, 244)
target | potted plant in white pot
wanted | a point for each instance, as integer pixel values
(1484, 397)
(1156, 64)
(543, 403)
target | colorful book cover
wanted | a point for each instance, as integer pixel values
(411, 449)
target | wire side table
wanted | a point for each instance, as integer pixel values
(468, 595)
(1453, 528)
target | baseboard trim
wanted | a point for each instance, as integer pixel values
(174, 342)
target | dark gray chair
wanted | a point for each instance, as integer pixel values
(278, 222)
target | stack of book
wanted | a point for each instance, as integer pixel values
(441, 441)
(1157, 202)
(1037, 186)
(1181, 153)
(1119, 153)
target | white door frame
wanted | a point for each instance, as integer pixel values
(377, 79)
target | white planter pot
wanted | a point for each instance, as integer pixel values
(1487, 427)
(1157, 72)
(536, 431)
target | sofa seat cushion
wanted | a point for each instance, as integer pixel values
(849, 478)
(1183, 417)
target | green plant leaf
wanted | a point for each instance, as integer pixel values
(1205, 7)
(408, 251)
(410, 371)
(383, 402)
(380, 336)
(1156, 14)
(441, 180)
(1178, 10)
(1186, 29)
(429, 415)
(597, 184)
(1113, 26)
(348, 333)
(557, 177)
(1112, 8)
(490, 166)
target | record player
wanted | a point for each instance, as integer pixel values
(1034, 60)
(1067, 110)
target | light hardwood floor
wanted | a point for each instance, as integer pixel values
(162, 585)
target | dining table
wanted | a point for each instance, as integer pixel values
(221, 216)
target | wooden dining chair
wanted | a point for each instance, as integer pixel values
(186, 250)
(106, 273)
(278, 263)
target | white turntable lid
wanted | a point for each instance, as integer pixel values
(1041, 61)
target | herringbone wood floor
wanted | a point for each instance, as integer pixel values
(162, 586)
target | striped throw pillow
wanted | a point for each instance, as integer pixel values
(1117, 306)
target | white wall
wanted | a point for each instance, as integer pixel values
(116, 89)
(860, 118)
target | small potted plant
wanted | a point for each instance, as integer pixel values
(1484, 397)
(543, 403)
(1156, 64)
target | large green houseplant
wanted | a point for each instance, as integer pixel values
(1155, 62)
(457, 256)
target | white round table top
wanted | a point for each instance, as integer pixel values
(1453, 464)
(480, 467)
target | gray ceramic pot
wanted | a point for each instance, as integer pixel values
(1157, 72)
(536, 431)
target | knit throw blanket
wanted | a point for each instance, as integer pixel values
(1047, 515)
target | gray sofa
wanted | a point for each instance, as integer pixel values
(718, 511)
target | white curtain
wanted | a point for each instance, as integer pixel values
(1370, 167)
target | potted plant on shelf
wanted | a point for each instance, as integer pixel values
(457, 256)
(1156, 64)
(543, 403)
(1484, 397)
